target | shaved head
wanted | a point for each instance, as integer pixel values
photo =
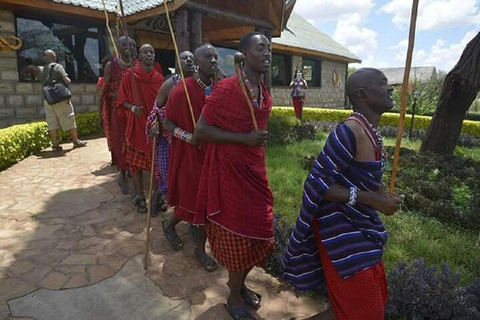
(368, 87)
(206, 58)
(200, 50)
(50, 56)
(246, 40)
(145, 46)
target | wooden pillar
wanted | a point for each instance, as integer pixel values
(181, 29)
(195, 30)
(268, 76)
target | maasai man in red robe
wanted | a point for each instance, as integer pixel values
(186, 158)
(155, 126)
(137, 94)
(116, 115)
(234, 199)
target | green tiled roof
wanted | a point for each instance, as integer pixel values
(299, 33)
(129, 6)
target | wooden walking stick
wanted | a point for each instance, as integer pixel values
(403, 104)
(239, 58)
(150, 205)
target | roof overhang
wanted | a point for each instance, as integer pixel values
(312, 53)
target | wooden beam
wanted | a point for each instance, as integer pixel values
(58, 7)
(195, 30)
(181, 29)
(312, 53)
(230, 16)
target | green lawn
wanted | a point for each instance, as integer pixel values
(411, 234)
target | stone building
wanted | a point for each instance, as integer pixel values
(77, 31)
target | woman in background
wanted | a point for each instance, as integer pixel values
(299, 86)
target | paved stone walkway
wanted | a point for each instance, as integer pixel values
(64, 224)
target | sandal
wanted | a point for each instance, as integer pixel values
(251, 298)
(141, 204)
(172, 236)
(122, 183)
(79, 144)
(207, 262)
(239, 313)
(57, 148)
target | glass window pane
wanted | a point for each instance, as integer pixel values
(279, 70)
(77, 49)
(226, 61)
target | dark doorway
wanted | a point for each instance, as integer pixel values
(166, 58)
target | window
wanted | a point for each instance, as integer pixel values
(77, 48)
(312, 72)
(225, 60)
(281, 68)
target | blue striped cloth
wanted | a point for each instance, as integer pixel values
(353, 236)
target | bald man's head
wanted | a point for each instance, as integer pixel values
(50, 56)
(206, 58)
(368, 87)
(187, 63)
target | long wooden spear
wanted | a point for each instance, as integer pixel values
(238, 59)
(154, 142)
(403, 104)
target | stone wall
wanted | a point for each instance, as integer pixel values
(329, 95)
(22, 102)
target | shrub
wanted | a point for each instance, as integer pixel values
(418, 291)
(283, 129)
(20, 141)
(446, 188)
(471, 128)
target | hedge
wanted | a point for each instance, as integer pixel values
(388, 119)
(20, 141)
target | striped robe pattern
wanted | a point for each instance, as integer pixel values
(354, 237)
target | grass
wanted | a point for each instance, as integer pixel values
(411, 234)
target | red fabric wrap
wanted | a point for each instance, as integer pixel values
(362, 296)
(105, 112)
(237, 253)
(137, 160)
(117, 116)
(144, 89)
(185, 160)
(298, 103)
(234, 191)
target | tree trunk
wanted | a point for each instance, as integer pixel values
(458, 93)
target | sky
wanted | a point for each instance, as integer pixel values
(377, 31)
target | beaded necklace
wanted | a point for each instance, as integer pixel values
(256, 103)
(123, 63)
(200, 82)
(377, 135)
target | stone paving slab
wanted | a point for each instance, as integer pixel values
(125, 296)
(64, 224)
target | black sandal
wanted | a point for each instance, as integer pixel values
(239, 313)
(57, 148)
(251, 298)
(122, 183)
(207, 262)
(172, 236)
(141, 204)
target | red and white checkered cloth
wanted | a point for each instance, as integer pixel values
(237, 253)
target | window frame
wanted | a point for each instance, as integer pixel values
(68, 20)
(316, 81)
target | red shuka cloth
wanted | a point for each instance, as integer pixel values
(234, 191)
(185, 160)
(362, 296)
(146, 86)
(117, 116)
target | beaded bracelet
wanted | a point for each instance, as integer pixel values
(182, 135)
(352, 200)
